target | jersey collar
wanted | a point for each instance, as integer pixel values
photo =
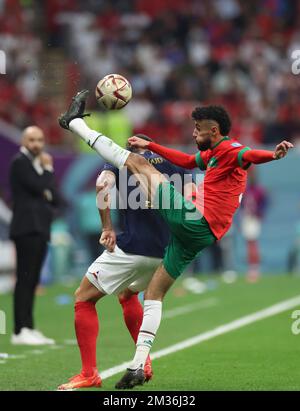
(27, 153)
(224, 138)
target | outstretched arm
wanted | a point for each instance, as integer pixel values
(264, 156)
(174, 156)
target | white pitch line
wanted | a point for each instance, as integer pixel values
(70, 342)
(175, 312)
(55, 347)
(222, 329)
(16, 357)
(36, 352)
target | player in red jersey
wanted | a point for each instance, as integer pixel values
(194, 223)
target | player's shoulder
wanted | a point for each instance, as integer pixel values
(150, 155)
(19, 160)
(231, 144)
(109, 167)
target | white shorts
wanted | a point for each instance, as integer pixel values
(251, 227)
(113, 272)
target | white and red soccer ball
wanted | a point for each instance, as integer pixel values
(113, 91)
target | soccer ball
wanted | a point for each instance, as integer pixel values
(113, 92)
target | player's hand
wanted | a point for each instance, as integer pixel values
(282, 149)
(102, 187)
(137, 142)
(46, 160)
(108, 240)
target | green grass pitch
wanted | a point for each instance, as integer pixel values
(263, 355)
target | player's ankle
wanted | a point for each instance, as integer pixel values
(89, 372)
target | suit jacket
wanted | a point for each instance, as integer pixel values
(33, 209)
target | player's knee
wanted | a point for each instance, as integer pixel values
(125, 295)
(77, 294)
(80, 295)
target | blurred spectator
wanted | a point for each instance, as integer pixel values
(293, 263)
(216, 260)
(88, 222)
(181, 52)
(253, 208)
(5, 218)
(7, 253)
(34, 197)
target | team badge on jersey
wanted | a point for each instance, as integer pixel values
(213, 162)
(236, 144)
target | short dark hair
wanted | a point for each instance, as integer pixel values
(216, 113)
(143, 136)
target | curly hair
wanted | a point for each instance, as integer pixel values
(216, 113)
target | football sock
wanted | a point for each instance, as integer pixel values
(253, 252)
(133, 315)
(149, 327)
(87, 327)
(103, 145)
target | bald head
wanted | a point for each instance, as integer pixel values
(33, 139)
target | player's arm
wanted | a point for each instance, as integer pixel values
(264, 156)
(105, 182)
(174, 156)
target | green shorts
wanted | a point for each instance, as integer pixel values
(190, 232)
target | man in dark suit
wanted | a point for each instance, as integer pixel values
(34, 198)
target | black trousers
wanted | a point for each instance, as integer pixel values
(31, 251)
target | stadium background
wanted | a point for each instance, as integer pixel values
(177, 54)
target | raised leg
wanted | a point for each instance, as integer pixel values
(145, 173)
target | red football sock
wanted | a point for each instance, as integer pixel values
(133, 315)
(87, 327)
(253, 252)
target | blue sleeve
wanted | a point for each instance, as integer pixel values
(109, 167)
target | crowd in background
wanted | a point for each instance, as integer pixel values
(176, 53)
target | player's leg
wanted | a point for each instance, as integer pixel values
(179, 253)
(133, 317)
(72, 120)
(86, 328)
(144, 172)
(132, 312)
(154, 294)
(253, 260)
(251, 228)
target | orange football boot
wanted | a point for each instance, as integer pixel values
(148, 370)
(80, 381)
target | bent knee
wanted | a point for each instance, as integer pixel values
(92, 295)
(80, 296)
(126, 295)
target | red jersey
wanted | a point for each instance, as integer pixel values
(220, 194)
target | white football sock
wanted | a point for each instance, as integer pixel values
(149, 327)
(104, 146)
